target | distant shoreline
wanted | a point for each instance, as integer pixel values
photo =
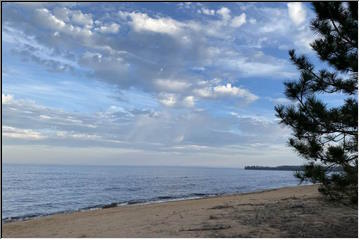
(284, 212)
(279, 168)
(284, 168)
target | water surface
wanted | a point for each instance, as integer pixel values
(35, 190)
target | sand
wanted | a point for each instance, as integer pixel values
(286, 212)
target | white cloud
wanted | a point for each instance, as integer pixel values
(71, 16)
(62, 13)
(45, 117)
(234, 91)
(109, 28)
(255, 63)
(6, 98)
(82, 19)
(27, 134)
(204, 92)
(49, 19)
(78, 136)
(238, 21)
(296, 12)
(45, 17)
(226, 91)
(171, 85)
(167, 99)
(207, 11)
(174, 100)
(224, 12)
(189, 101)
(142, 22)
(186, 5)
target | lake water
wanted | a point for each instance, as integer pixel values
(33, 190)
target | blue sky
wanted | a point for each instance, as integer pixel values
(149, 83)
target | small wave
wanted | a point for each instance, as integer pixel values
(30, 216)
(130, 189)
(111, 205)
(24, 217)
(166, 198)
(199, 194)
(132, 202)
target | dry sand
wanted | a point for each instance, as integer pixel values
(286, 212)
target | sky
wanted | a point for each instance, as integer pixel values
(182, 84)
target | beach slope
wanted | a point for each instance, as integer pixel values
(286, 212)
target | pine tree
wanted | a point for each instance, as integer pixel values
(327, 137)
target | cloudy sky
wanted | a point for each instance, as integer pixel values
(149, 83)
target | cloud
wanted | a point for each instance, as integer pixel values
(28, 120)
(189, 134)
(304, 39)
(47, 19)
(279, 100)
(30, 49)
(297, 13)
(6, 98)
(238, 21)
(172, 100)
(142, 22)
(67, 15)
(120, 127)
(226, 91)
(189, 101)
(82, 19)
(50, 20)
(76, 136)
(225, 13)
(108, 28)
(249, 63)
(17, 133)
(127, 60)
(207, 11)
(167, 99)
(229, 90)
(172, 84)
(62, 13)
(204, 92)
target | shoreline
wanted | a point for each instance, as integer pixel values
(284, 212)
(140, 202)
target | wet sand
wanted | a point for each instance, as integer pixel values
(286, 212)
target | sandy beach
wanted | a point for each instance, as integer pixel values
(286, 212)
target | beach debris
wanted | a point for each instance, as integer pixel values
(209, 227)
(222, 207)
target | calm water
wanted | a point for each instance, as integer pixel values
(30, 191)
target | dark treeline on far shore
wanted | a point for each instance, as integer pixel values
(283, 168)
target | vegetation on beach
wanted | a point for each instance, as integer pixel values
(327, 137)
